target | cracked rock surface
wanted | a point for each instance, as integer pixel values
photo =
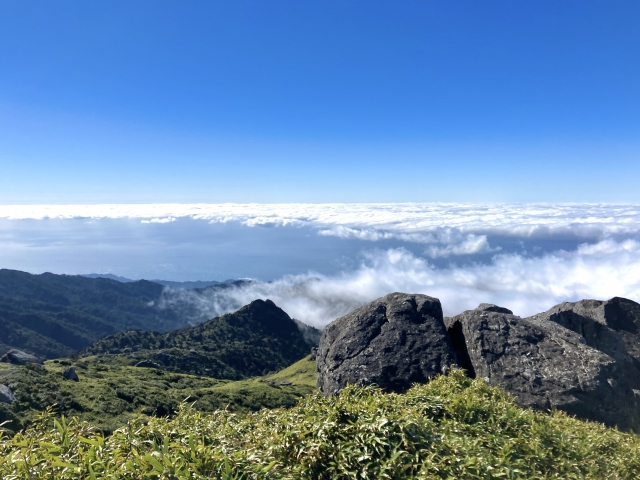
(611, 326)
(545, 365)
(392, 342)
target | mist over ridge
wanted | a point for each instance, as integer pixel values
(320, 261)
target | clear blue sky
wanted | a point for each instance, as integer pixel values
(290, 101)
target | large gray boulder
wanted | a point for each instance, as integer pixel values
(611, 326)
(392, 342)
(545, 365)
(6, 395)
(18, 357)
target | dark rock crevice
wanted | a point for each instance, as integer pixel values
(459, 344)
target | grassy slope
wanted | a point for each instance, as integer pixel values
(452, 427)
(108, 395)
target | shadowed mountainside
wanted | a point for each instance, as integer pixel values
(55, 315)
(258, 338)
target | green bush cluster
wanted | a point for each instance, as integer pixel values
(453, 427)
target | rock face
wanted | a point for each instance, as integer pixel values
(393, 342)
(582, 357)
(545, 365)
(18, 357)
(6, 395)
(611, 326)
(70, 374)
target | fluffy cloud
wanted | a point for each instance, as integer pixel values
(526, 285)
(160, 220)
(447, 229)
(374, 220)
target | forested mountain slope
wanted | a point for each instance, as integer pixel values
(55, 315)
(258, 338)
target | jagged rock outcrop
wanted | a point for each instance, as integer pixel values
(18, 357)
(611, 326)
(582, 357)
(70, 374)
(545, 365)
(393, 342)
(6, 395)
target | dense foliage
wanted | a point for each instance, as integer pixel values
(109, 395)
(55, 315)
(453, 427)
(258, 338)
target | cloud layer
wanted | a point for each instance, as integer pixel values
(517, 255)
(372, 221)
(446, 228)
(525, 285)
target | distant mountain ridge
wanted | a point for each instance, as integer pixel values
(167, 283)
(258, 338)
(55, 315)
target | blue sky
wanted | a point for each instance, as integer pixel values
(156, 101)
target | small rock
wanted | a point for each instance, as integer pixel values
(70, 374)
(314, 353)
(18, 357)
(285, 384)
(147, 364)
(192, 350)
(490, 307)
(6, 395)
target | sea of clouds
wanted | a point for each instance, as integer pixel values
(525, 285)
(526, 257)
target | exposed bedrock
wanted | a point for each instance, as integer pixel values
(393, 342)
(611, 326)
(545, 365)
(579, 357)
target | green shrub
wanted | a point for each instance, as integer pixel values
(453, 427)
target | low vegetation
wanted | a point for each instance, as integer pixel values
(453, 427)
(108, 396)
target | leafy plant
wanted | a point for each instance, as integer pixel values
(453, 427)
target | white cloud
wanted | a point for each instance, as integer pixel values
(448, 229)
(160, 220)
(393, 218)
(525, 285)
(470, 245)
(606, 265)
